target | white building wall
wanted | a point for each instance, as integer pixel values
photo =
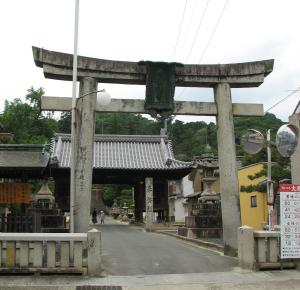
(187, 186)
(183, 187)
(179, 210)
(295, 158)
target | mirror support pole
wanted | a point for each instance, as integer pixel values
(270, 191)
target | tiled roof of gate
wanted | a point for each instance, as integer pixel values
(130, 152)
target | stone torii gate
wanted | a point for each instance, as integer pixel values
(220, 77)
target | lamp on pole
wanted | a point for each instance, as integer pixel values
(102, 97)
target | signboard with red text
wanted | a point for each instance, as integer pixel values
(290, 220)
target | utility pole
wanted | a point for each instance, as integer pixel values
(73, 121)
(270, 189)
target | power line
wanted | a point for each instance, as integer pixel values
(179, 32)
(286, 97)
(198, 29)
(212, 35)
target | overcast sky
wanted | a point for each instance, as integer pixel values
(134, 30)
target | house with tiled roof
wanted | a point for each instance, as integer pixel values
(23, 161)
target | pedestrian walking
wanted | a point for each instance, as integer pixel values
(102, 216)
(94, 216)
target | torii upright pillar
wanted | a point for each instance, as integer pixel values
(82, 169)
(221, 77)
(228, 168)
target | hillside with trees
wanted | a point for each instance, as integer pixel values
(30, 125)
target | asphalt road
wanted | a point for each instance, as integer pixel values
(129, 250)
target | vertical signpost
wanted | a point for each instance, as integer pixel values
(149, 202)
(290, 220)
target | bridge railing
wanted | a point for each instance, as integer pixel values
(51, 253)
(260, 250)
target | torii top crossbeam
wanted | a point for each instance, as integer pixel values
(58, 65)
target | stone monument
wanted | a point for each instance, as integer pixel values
(205, 220)
(48, 217)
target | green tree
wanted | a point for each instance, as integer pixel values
(64, 123)
(122, 193)
(25, 120)
(107, 195)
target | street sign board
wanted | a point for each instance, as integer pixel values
(290, 220)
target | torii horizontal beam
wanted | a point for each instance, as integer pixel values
(58, 65)
(137, 106)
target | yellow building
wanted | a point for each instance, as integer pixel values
(253, 205)
(254, 209)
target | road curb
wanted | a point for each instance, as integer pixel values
(209, 245)
(271, 280)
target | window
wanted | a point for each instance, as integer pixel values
(253, 201)
(209, 173)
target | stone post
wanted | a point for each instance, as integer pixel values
(83, 167)
(246, 248)
(165, 216)
(138, 203)
(94, 252)
(295, 158)
(229, 187)
(149, 202)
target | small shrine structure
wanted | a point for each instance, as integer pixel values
(47, 215)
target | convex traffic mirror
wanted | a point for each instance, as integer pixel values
(287, 140)
(252, 141)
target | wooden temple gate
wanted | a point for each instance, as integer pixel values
(126, 160)
(221, 78)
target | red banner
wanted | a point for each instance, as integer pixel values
(289, 188)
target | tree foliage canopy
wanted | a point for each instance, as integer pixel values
(25, 120)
